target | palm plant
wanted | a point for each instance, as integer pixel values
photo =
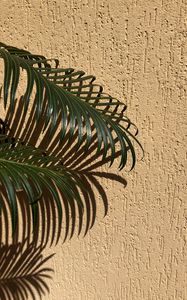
(58, 127)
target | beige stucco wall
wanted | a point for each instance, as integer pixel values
(138, 51)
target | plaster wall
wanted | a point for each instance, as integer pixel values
(138, 52)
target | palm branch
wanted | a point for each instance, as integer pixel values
(54, 134)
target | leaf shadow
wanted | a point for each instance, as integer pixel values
(23, 273)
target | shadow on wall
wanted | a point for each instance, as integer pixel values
(22, 272)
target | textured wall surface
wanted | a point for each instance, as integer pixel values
(138, 51)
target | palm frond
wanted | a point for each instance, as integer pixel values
(47, 156)
(22, 273)
(39, 193)
(25, 168)
(57, 97)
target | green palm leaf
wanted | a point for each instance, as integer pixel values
(25, 168)
(74, 112)
(41, 185)
(46, 155)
